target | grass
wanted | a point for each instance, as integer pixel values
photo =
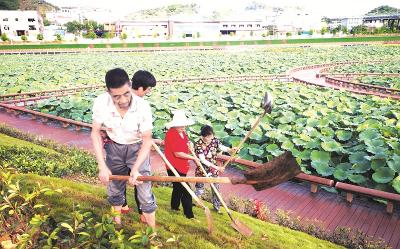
(15, 142)
(92, 197)
(193, 234)
(205, 43)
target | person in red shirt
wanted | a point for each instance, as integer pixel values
(178, 154)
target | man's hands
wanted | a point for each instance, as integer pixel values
(104, 173)
(133, 178)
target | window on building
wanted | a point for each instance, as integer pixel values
(16, 19)
(164, 26)
(5, 19)
(249, 25)
(225, 25)
(241, 25)
(31, 19)
(233, 25)
(258, 25)
(32, 27)
(6, 27)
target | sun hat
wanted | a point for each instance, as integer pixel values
(179, 119)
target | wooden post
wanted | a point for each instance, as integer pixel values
(314, 188)
(389, 207)
(349, 197)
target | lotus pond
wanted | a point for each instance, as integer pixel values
(334, 134)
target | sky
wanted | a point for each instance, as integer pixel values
(329, 8)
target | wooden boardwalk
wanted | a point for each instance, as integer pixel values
(330, 209)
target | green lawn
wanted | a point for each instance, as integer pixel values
(193, 234)
(92, 197)
(10, 141)
(205, 43)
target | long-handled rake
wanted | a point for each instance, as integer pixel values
(272, 173)
(186, 186)
(236, 223)
(266, 104)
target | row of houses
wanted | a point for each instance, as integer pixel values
(30, 23)
(369, 21)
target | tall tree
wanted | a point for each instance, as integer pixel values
(9, 4)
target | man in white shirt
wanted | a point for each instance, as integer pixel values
(142, 83)
(128, 122)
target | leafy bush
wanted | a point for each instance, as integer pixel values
(91, 35)
(39, 37)
(65, 161)
(58, 37)
(24, 38)
(4, 37)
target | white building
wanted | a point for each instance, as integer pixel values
(292, 20)
(16, 23)
(64, 15)
(350, 22)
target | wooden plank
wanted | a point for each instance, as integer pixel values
(395, 239)
(310, 208)
(326, 211)
(391, 228)
(281, 199)
(334, 214)
(383, 226)
(348, 215)
(375, 224)
(353, 220)
(369, 220)
(335, 222)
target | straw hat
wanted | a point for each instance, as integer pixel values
(179, 119)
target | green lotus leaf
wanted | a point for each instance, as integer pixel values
(358, 157)
(379, 152)
(396, 184)
(358, 179)
(331, 145)
(377, 163)
(375, 142)
(218, 127)
(299, 142)
(244, 153)
(287, 145)
(257, 134)
(343, 135)
(234, 141)
(219, 117)
(324, 169)
(320, 156)
(312, 122)
(383, 175)
(222, 109)
(232, 124)
(394, 163)
(162, 115)
(221, 134)
(361, 167)
(195, 128)
(323, 123)
(340, 174)
(313, 144)
(238, 132)
(274, 149)
(256, 151)
(369, 124)
(344, 166)
(328, 132)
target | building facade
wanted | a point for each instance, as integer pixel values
(17, 23)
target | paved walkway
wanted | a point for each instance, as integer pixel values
(330, 209)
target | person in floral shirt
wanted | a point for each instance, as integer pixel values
(207, 149)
